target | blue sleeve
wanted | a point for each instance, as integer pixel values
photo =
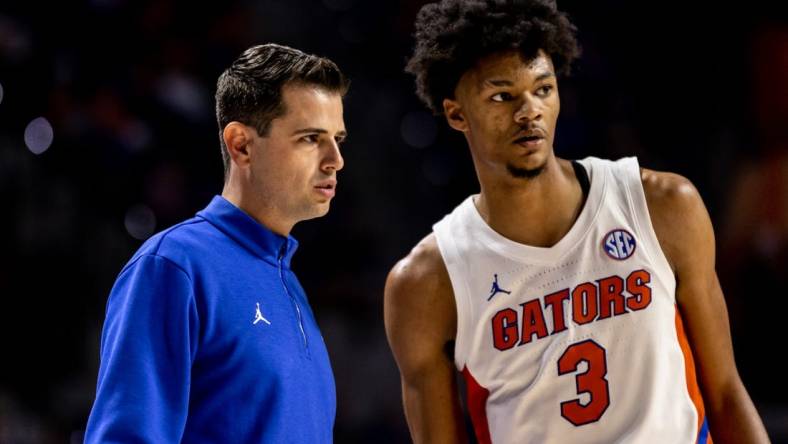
(147, 347)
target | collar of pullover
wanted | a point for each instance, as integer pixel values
(254, 236)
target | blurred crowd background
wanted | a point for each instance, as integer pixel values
(107, 135)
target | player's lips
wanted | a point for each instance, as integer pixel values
(529, 142)
(530, 138)
(327, 187)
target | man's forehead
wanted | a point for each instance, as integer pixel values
(309, 105)
(511, 65)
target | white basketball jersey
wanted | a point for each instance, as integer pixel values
(580, 342)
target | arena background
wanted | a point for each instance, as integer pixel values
(107, 134)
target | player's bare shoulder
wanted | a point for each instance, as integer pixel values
(677, 213)
(668, 187)
(418, 299)
(422, 269)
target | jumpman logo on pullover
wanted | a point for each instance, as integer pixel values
(496, 289)
(259, 316)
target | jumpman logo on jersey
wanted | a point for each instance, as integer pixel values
(496, 289)
(259, 316)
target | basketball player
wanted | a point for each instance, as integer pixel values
(208, 334)
(577, 299)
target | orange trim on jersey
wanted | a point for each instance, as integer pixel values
(477, 407)
(689, 368)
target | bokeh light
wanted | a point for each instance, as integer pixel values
(39, 135)
(140, 222)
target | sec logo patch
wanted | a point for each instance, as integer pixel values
(619, 244)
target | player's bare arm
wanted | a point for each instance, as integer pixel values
(421, 324)
(684, 230)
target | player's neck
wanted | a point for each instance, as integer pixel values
(252, 202)
(538, 211)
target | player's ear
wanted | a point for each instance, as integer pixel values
(238, 140)
(454, 115)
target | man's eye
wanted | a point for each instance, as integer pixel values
(311, 138)
(545, 90)
(501, 97)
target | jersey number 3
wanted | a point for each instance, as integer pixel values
(592, 381)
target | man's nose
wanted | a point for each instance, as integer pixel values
(528, 110)
(333, 160)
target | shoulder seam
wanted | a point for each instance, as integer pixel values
(154, 255)
(166, 232)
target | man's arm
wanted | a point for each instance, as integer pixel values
(685, 233)
(421, 323)
(147, 347)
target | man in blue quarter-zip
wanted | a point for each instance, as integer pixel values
(208, 335)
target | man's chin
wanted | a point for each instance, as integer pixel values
(319, 210)
(525, 172)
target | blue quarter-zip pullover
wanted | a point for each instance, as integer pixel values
(209, 338)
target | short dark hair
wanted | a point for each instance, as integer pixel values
(250, 90)
(452, 35)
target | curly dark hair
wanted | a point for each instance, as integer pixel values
(452, 35)
(250, 90)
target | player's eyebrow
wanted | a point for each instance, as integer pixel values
(495, 82)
